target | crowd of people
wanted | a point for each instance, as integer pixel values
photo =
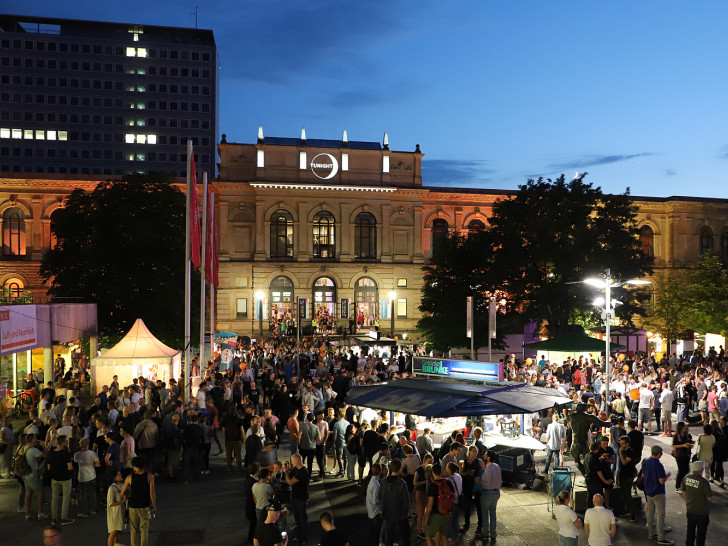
(112, 453)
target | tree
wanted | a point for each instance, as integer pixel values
(459, 270)
(551, 234)
(667, 315)
(122, 245)
(706, 306)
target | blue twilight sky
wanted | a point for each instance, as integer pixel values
(494, 92)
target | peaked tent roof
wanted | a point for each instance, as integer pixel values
(140, 343)
(572, 343)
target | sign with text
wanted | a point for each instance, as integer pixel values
(18, 327)
(458, 369)
(344, 308)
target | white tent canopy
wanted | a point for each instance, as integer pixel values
(139, 353)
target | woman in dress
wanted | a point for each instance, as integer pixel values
(115, 508)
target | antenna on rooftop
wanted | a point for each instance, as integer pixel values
(195, 14)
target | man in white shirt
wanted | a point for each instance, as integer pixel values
(599, 523)
(666, 400)
(647, 402)
(374, 505)
(556, 440)
(201, 395)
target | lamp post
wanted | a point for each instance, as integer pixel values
(259, 295)
(609, 305)
(392, 298)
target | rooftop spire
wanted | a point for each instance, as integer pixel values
(261, 138)
(385, 143)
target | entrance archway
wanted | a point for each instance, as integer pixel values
(365, 303)
(324, 304)
(281, 298)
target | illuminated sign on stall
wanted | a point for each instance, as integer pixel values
(458, 369)
(324, 166)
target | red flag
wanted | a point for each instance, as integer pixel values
(209, 249)
(195, 235)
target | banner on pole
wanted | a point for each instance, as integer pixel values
(301, 309)
(194, 212)
(344, 308)
(469, 317)
(491, 318)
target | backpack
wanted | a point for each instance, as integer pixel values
(19, 465)
(445, 497)
(352, 446)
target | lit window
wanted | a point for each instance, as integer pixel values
(17, 133)
(130, 52)
(130, 69)
(28, 134)
(62, 135)
(344, 162)
(141, 139)
(241, 308)
(151, 139)
(141, 105)
(4, 133)
(40, 134)
(140, 157)
(130, 121)
(141, 88)
(129, 138)
(141, 123)
(141, 52)
(141, 70)
(401, 307)
(385, 164)
(130, 87)
(302, 163)
(51, 135)
(261, 158)
(130, 157)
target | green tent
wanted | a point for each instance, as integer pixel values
(573, 343)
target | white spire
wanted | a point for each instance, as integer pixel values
(303, 134)
(260, 132)
(386, 141)
(345, 138)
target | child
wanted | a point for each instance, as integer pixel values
(115, 506)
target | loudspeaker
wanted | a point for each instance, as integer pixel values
(579, 499)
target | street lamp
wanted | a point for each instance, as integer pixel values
(609, 305)
(392, 298)
(259, 295)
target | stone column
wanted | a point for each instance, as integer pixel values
(48, 364)
(418, 256)
(385, 234)
(259, 232)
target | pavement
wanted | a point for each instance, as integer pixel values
(211, 512)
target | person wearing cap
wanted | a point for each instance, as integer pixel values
(607, 460)
(697, 494)
(654, 480)
(267, 533)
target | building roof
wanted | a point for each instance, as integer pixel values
(322, 143)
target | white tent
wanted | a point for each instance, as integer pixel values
(138, 354)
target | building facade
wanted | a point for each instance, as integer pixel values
(96, 98)
(348, 227)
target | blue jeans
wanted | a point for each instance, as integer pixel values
(568, 541)
(301, 518)
(699, 523)
(488, 503)
(552, 453)
(681, 412)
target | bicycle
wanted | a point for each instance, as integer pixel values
(24, 402)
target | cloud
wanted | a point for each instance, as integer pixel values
(595, 160)
(455, 172)
(670, 172)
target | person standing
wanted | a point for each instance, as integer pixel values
(331, 536)
(32, 481)
(88, 462)
(424, 442)
(569, 522)
(294, 430)
(268, 533)
(395, 506)
(250, 480)
(140, 492)
(682, 445)
(706, 441)
(654, 480)
(115, 508)
(59, 466)
(299, 479)
(594, 474)
(599, 523)
(625, 478)
(491, 482)
(262, 494)
(437, 517)
(321, 439)
(374, 505)
(697, 494)
(646, 405)
(309, 437)
(556, 441)
(338, 432)
(666, 400)
(470, 469)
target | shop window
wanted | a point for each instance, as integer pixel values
(647, 241)
(324, 240)
(365, 237)
(281, 235)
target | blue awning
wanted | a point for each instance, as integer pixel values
(450, 399)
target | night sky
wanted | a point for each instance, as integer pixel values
(494, 92)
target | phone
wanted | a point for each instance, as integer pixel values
(284, 535)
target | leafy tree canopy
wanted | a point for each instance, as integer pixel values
(705, 302)
(667, 316)
(122, 245)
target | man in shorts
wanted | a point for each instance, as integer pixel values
(437, 525)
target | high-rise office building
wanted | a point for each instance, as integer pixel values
(97, 98)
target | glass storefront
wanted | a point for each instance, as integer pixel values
(281, 298)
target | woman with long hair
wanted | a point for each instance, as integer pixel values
(682, 444)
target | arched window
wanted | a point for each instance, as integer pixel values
(440, 229)
(14, 287)
(281, 298)
(281, 235)
(724, 247)
(647, 241)
(13, 232)
(365, 236)
(324, 241)
(706, 241)
(53, 222)
(324, 304)
(475, 226)
(365, 302)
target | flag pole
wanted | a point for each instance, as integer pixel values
(188, 280)
(212, 273)
(203, 362)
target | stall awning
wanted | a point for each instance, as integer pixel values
(363, 341)
(572, 344)
(449, 399)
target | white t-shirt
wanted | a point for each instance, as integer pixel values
(555, 432)
(646, 397)
(666, 398)
(566, 518)
(599, 520)
(85, 460)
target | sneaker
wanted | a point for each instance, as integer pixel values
(28, 518)
(421, 536)
(665, 541)
(42, 516)
(81, 515)
(68, 521)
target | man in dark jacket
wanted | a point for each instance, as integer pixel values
(395, 506)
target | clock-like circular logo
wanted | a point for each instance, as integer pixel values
(324, 166)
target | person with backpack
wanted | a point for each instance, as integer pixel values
(26, 466)
(438, 512)
(395, 506)
(491, 482)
